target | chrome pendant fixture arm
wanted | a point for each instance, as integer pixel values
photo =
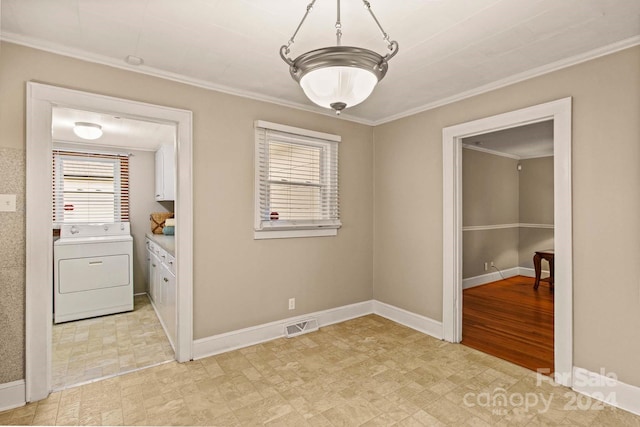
(338, 26)
(391, 44)
(339, 76)
(284, 50)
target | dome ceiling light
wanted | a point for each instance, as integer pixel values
(338, 77)
(87, 130)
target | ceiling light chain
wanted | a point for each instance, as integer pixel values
(338, 77)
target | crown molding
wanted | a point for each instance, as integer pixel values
(143, 69)
(503, 154)
(489, 151)
(516, 78)
(154, 72)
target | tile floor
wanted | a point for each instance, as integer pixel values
(88, 349)
(367, 371)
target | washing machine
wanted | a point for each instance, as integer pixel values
(93, 271)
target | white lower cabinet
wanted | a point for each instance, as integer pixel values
(168, 305)
(153, 268)
(163, 288)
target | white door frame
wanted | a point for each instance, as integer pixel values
(39, 242)
(560, 112)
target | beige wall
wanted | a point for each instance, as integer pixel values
(531, 240)
(238, 281)
(480, 246)
(536, 191)
(490, 189)
(536, 207)
(606, 203)
(494, 192)
(142, 203)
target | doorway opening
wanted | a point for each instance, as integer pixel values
(41, 101)
(105, 321)
(559, 112)
(507, 204)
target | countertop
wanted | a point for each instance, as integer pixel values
(168, 243)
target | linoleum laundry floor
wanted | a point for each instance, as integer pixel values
(84, 350)
(367, 371)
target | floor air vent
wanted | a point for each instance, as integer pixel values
(301, 327)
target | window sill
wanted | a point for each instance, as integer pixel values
(289, 234)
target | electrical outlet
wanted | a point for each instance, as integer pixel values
(492, 265)
(486, 266)
(292, 303)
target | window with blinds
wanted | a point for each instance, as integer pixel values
(296, 181)
(89, 187)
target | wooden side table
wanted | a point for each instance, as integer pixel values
(537, 261)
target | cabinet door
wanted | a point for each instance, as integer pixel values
(162, 289)
(154, 278)
(160, 175)
(165, 173)
(169, 173)
(169, 303)
(147, 265)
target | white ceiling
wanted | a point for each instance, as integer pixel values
(117, 131)
(523, 142)
(448, 48)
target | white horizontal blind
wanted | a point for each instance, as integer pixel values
(297, 181)
(90, 187)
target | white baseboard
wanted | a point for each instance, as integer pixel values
(12, 395)
(414, 321)
(234, 340)
(527, 272)
(530, 272)
(483, 279)
(241, 338)
(606, 388)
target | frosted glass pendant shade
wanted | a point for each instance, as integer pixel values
(338, 77)
(333, 86)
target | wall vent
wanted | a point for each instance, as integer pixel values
(302, 327)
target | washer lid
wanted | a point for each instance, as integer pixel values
(91, 239)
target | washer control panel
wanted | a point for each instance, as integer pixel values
(71, 231)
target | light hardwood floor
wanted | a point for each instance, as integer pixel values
(368, 371)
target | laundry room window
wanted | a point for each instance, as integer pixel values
(90, 187)
(296, 182)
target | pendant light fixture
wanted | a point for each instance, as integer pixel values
(339, 76)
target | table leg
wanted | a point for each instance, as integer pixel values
(538, 267)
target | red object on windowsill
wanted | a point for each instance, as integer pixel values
(274, 216)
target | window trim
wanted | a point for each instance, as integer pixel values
(61, 154)
(290, 229)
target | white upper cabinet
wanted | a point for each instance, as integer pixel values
(165, 173)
